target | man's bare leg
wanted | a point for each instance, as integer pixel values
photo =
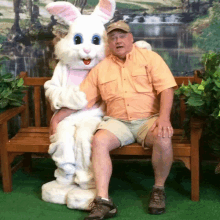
(162, 156)
(103, 142)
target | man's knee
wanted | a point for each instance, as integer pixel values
(152, 139)
(104, 139)
(163, 143)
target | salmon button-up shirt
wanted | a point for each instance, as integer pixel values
(130, 90)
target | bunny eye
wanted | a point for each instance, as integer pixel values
(78, 39)
(96, 39)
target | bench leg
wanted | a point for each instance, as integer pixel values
(5, 163)
(194, 180)
(196, 132)
(27, 163)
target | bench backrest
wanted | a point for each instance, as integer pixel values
(37, 107)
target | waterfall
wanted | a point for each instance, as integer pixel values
(172, 19)
(153, 19)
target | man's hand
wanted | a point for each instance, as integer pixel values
(165, 128)
(58, 117)
(53, 125)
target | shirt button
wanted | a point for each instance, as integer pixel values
(125, 91)
(124, 79)
(127, 104)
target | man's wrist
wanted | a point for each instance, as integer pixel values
(164, 117)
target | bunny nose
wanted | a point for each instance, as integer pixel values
(86, 50)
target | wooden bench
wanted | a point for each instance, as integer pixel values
(35, 139)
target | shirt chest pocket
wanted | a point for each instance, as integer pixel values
(109, 87)
(142, 80)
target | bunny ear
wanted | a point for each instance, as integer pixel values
(64, 10)
(105, 10)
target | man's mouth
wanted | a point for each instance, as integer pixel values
(87, 62)
(119, 47)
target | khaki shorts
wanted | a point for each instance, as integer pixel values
(128, 132)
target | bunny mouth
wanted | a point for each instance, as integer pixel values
(87, 62)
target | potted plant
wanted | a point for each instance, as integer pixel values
(11, 88)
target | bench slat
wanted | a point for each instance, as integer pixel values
(35, 81)
(134, 149)
(35, 130)
(37, 105)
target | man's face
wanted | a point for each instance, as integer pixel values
(120, 43)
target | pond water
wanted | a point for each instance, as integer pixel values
(169, 36)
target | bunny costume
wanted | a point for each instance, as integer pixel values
(70, 147)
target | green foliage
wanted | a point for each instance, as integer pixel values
(11, 88)
(2, 38)
(209, 39)
(128, 6)
(203, 100)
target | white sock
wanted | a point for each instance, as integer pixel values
(105, 199)
(159, 187)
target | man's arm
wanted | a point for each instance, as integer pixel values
(58, 117)
(163, 122)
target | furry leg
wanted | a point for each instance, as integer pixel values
(62, 153)
(62, 147)
(84, 194)
(84, 133)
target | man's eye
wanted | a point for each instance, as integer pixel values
(113, 38)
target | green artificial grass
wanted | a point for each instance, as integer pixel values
(129, 188)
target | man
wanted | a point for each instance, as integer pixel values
(137, 87)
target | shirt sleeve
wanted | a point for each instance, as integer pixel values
(162, 77)
(90, 87)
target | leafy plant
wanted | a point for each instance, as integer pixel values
(11, 88)
(203, 100)
(209, 39)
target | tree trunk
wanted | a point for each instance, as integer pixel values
(29, 7)
(83, 5)
(16, 27)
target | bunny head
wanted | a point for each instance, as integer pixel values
(84, 45)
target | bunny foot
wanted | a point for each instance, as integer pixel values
(84, 179)
(79, 198)
(55, 192)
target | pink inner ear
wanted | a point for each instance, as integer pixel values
(106, 7)
(63, 11)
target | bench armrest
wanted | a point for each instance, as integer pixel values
(10, 113)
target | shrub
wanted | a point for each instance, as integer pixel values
(203, 100)
(11, 88)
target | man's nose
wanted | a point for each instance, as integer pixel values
(118, 39)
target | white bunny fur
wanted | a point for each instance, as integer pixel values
(72, 155)
(72, 54)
